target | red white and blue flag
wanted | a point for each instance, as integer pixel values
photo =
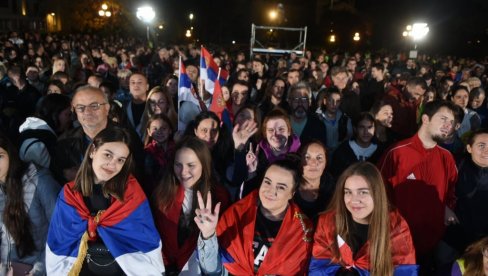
(126, 228)
(209, 71)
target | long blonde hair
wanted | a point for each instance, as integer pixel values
(379, 222)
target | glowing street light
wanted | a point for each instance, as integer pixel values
(332, 38)
(356, 37)
(188, 33)
(191, 16)
(273, 14)
(417, 31)
(146, 14)
(104, 7)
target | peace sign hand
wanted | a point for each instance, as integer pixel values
(205, 219)
(252, 159)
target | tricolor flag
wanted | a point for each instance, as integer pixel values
(185, 86)
(209, 71)
(126, 228)
(218, 104)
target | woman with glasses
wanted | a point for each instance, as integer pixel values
(474, 261)
(361, 234)
(159, 101)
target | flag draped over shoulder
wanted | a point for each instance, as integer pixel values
(288, 255)
(324, 262)
(209, 71)
(126, 228)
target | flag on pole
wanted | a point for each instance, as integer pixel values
(185, 86)
(218, 104)
(209, 71)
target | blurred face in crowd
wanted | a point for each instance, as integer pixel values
(277, 133)
(358, 199)
(257, 67)
(94, 81)
(187, 167)
(208, 131)
(441, 125)
(415, 92)
(479, 150)
(59, 65)
(159, 130)
(108, 160)
(351, 66)
(225, 93)
(364, 133)
(340, 80)
(315, 162)
(54, 89)
(32, 73)
(429, 96)
(239, 94)
(192, 72)
(245, 114)
(275, 191)
(478, 101)
(385, 115)
(376, 74)
(332, 103)
(91, 109)
(299, 103)
(278, 89)
(461, 98)
(4, 165)
(172, 86)
(293, 77)
(243, 75)
(158, 103)
(138, 86)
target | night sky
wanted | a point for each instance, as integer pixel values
(455, 26)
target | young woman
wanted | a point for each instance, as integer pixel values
(208, 128)
(278, 140)
(27, 199)
(175, 202)
(273, 97)
(360, 233)
(316, 185)
(159, 101)
(474, 261)
(383, 115)
(264, 233)
(102, 224)
(159, 147)
(471, 120)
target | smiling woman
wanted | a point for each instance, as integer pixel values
(104, 204)
(361, 230)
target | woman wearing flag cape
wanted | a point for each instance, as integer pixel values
(175, 201)
(265, 233)
(102, 223)
(360, 234)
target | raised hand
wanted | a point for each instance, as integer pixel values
(205, 219)
(252, 159)
(240, 134)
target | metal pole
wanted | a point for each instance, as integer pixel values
(147, 33)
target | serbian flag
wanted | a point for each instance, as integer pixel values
(218, 104)
(126, 228)
(185, 86)
(209, 71)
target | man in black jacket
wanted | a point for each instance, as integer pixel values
(305, 124)
(91, 107)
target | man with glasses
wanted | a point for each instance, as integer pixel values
(91, 107)
(305, 124)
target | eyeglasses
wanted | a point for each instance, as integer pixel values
(154, 103)
(92, 107)
(300, 100)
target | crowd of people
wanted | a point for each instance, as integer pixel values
(321, 164)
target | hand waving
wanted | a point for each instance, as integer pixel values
(205, 219)
(241, 134)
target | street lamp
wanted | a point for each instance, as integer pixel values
(356, 37)
(332, 38)
(416, 31)
(188, 33)
(273, 14)
(146, 14)
(190, 16)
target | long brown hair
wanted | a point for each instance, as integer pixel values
(15, 215)
(473, 258)
(379, 222)
(85, 177)
(165, 192)
(171, 113)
